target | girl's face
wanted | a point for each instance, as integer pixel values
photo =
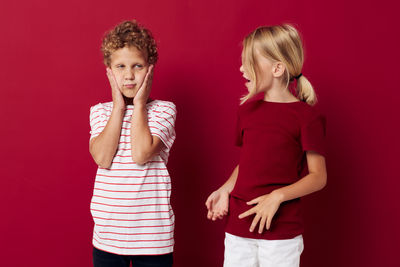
(129, 66)
(264, 69)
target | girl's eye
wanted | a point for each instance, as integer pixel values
(138, 66)
(120, 66)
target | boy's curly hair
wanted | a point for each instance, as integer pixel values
(129, 33)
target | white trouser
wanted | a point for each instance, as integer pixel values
(249, 252)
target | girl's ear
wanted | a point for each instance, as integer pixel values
(278, 69)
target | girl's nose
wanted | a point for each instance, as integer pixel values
(241, 69)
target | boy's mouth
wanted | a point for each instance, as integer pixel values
(130, 86)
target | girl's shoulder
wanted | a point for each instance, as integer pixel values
(308, 113)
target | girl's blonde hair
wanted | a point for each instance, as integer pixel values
(280, 43)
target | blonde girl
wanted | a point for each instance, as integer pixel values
(282, 158)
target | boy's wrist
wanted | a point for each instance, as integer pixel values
(139, 105)
(118, 108)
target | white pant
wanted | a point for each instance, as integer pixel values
(249, 252)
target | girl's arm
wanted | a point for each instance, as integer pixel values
(143, 145)
(218, 202)
(104, 146)
(267, 205)
(314, 181)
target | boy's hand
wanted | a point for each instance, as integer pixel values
(118, 99)
(217, 204)
(264, 211)
(144, 91)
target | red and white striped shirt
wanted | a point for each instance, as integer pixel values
(131, 203)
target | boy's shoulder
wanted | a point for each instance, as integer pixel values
(105, 105)
(162, 105)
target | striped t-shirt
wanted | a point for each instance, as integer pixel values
(131, 203)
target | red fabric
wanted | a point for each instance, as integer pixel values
(273, 139)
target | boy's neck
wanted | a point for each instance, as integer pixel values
(129, 100)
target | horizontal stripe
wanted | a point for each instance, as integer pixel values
(130, 247)
(130, 206)
(132, 162)
(138, 198)
(135, 227)
(142, 240)
(101, 182)
(142, 176)
(139, 212)
(116, 233)
(116, 191)
(132, 220)
(148, 169)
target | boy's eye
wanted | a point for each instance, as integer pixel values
(138, 66)
(120, 66)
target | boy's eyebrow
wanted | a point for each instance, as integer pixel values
(135, 63)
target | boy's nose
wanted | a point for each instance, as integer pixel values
(130, 75)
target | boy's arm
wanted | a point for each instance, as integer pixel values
(143, 145)
(104, 146)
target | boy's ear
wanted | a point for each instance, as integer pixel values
(278, 69)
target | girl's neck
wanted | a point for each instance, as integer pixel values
(279, 94)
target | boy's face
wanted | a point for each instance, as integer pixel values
(129, 66)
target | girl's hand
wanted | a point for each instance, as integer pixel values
(217, 204)
(144, 91)
(264, 211)
(118, 99)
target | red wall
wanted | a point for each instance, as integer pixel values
(52, 72)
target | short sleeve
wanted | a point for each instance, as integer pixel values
(162, 123)
(238, 132)
(98, 120)
(313, 135)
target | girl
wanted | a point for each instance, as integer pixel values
(282, 154)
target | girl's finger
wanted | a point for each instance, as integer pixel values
(209, 215)
(254, 223)
(254, 201)
(262, 224)
(247, 213)
(269, 222)
(208, 203)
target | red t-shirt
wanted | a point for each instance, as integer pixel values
(273, 138)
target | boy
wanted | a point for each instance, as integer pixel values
(130, 141)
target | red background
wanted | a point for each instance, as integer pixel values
(52, 72)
